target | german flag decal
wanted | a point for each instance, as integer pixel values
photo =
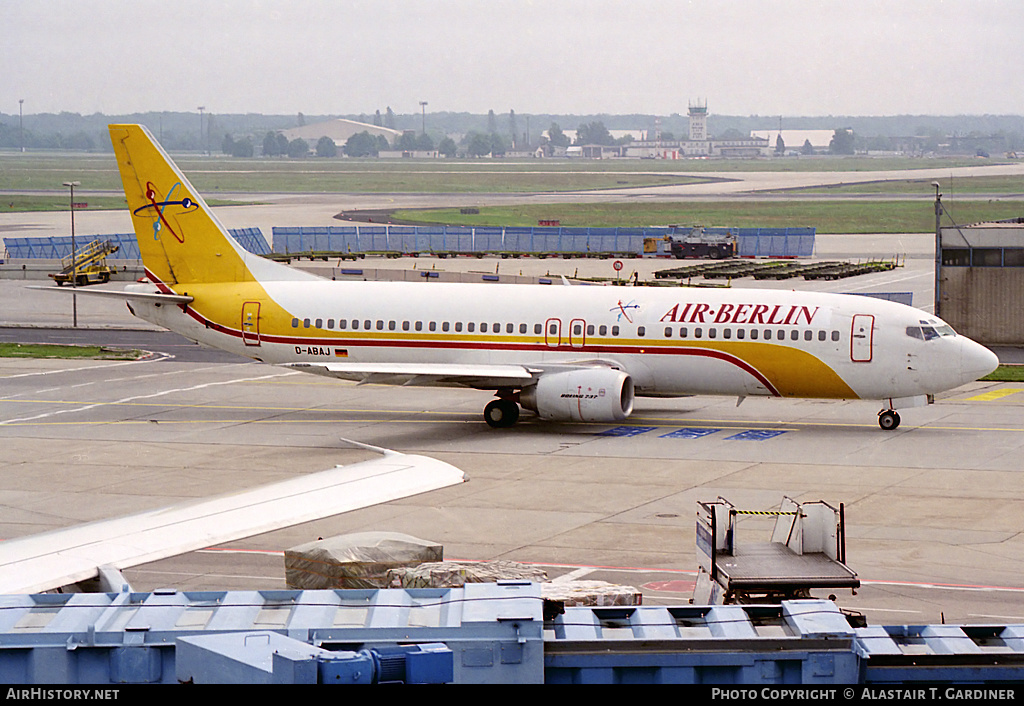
(341, 353)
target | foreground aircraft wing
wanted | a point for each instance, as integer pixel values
(47, 561)
(425, 374)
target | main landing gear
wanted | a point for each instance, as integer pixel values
(501, 413)
(888, 419)
(504, 411)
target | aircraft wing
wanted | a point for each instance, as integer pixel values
(425, 374)
(47, 561)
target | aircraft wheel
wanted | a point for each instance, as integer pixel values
(889, 419)
(501, 413)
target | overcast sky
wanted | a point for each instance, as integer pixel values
(744, 57)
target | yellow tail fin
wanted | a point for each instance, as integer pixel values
(180, 240)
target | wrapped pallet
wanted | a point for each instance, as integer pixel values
(455, 574)
(590, 593)
(359, 560)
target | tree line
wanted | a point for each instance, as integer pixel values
(497, 133)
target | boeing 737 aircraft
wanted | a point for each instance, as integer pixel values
(565, 353)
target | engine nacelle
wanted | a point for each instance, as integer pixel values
(591, 395)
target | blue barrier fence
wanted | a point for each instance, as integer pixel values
(751, 242)
(128, 247)
(295, 240)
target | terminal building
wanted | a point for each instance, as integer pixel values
(980, 281)
(697, 145)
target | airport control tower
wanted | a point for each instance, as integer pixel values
(699, 121)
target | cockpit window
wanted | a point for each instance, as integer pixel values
(928, 332)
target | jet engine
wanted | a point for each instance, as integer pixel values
(590, 395)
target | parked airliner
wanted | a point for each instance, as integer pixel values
(566, 353)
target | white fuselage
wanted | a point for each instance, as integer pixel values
(672, 341)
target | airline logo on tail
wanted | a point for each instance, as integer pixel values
(159, 222)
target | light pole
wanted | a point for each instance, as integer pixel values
(21, 125)
(201, 109)
(936, 306)
(423, 108)
(74, 262)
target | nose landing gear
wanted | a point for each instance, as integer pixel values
(888, 419)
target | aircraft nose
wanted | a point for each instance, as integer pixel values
(976, 360)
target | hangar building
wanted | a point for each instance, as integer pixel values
(338, 130)
(980, 281)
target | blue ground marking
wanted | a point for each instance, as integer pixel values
(626, 431)
(755, 435)
(688, 433)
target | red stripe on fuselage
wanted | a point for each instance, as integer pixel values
(468, 345)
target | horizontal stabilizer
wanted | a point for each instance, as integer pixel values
(119, 294)
(47, 561)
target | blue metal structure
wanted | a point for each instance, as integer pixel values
(482, 633)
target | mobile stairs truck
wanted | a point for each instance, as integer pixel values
(87, 265)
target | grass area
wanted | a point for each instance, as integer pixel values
(46, 350)
(98, 172)
(21, 203)
(825, 216)
(13, 203)
(210, 175)
(1006, 373)
(949, 187)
